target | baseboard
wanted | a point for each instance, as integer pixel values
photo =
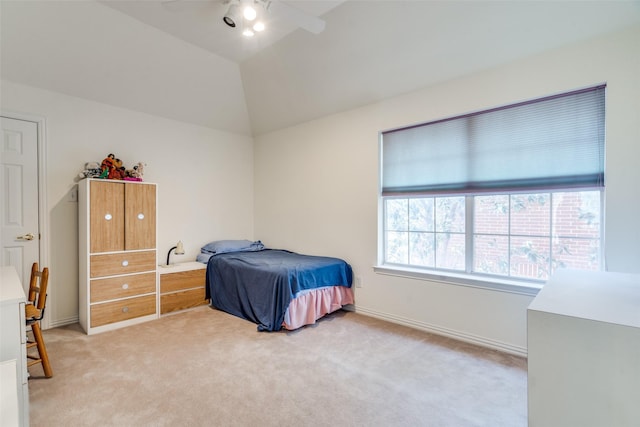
(63, 322)
(439, 330)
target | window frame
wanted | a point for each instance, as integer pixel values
(470, 278)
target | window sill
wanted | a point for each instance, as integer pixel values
(494, 284)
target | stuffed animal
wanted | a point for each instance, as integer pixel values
(131, 174)
(136, 173)
(91, 170)
(107, 165)
(117, 171)
(139, 168)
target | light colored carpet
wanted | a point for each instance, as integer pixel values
(206, 368)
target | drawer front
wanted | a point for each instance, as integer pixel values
(122, 286)
(172, 282)
(117, 311)
(122, 263)
(181, 300)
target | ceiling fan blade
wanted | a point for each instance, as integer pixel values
(303, 20)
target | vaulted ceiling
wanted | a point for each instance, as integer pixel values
(178, 60)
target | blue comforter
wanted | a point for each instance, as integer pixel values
(258, 286)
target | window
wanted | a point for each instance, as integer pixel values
(512, 193)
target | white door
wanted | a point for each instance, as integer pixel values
(19, 232)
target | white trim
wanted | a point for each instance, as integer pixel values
(63, 322)
(492, 284)
(43, 217)
(450, 333)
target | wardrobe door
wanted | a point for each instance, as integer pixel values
(140, 216)
(107, 217)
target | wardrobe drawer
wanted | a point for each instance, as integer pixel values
(122, 263)
(122, 286)
(117, 311)
(182, 280)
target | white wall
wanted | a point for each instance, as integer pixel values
(204, 176)
(89, 50)
(316, 184)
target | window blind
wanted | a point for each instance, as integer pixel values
(551, 143)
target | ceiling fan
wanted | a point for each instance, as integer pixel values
(251, 15)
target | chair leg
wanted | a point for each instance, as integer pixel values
(42, 350)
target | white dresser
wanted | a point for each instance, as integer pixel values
(584, 351)
(13, 345)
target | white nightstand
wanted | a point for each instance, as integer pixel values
(182, 286)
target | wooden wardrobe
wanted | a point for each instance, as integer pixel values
(118, 253)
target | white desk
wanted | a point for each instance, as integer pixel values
(584, 351)
(13, 338)
(8, 396)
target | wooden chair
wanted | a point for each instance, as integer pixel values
(34, 311)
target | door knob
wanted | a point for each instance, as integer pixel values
(28, 236)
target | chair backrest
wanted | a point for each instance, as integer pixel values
(38, 286)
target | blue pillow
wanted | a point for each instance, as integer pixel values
(222, 246)
(203, 257)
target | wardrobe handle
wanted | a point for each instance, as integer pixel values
(125, 309)
(140, 216)
(125, 263)
(125, 286)
(108, 217)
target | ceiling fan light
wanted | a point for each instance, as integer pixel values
(258, 26)
(231, 17)
(250, 13)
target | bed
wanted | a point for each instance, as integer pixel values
(274, 288)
